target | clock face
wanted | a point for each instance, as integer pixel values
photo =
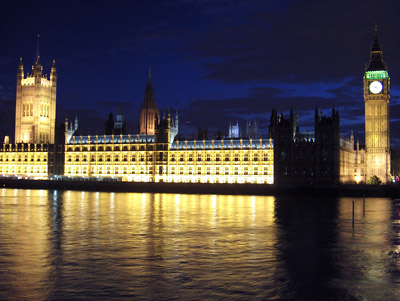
(375, 87)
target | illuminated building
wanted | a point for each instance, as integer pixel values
(28, 160)
(35, 113)
(155, 154)
(158, 158)
(376, 97)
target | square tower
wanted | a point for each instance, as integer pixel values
(35, 112)
(376, 98)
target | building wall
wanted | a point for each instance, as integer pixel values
(207, 161)
(377, 137)
(24, 160)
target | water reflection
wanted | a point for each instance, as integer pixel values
(91, 245)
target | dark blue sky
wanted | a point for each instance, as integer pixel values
(213, 61)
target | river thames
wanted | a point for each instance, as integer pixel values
(94, 245)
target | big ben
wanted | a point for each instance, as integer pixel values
(376, 98)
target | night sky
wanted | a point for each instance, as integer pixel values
(212, 61)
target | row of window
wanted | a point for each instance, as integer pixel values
(225, 156)
(109, 148)
(23, 169)
(189, 171)
(25, 158)
(200, 156)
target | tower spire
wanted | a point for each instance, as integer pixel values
(37, 49)
(149, 92)
(376, 62)
(149, 73)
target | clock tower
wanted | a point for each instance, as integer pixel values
(376, 98)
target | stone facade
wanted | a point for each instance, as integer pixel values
(377, 133)
(35, 113)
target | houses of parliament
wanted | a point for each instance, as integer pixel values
(42, 149)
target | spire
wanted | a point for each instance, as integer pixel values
(148, 93)
(376, 62)
(150, 73)
(37, 50)
(37, 70)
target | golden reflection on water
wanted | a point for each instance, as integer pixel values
(73, 244)
(23, 224)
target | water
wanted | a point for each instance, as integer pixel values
(90, 245)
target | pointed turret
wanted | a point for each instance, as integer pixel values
(38, 68)
(20, 74)
(53, 74)
(149, 93)
(376, 62)
(148, 111)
